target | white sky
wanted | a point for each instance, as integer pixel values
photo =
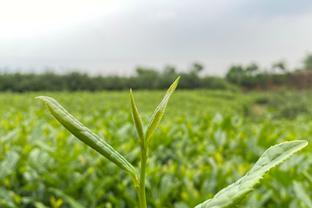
(113, 36)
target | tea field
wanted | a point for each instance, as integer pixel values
(207, 140)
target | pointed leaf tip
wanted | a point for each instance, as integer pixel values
(41, 97)
(46, 99)
(160, 110)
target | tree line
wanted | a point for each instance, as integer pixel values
(250, 76)
(144, 78)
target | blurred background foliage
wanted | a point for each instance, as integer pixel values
(238, 76)
(207, 140)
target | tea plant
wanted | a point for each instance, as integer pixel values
(227, 197)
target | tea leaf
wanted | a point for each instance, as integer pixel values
(273, 156)
(160, 110)
(137, 118)
(86, 135)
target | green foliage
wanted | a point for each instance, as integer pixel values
(227, 197)
(205, 143)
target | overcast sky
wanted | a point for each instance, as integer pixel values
(114, 36)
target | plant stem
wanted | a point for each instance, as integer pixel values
(142, 195)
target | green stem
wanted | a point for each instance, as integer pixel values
(141, 190)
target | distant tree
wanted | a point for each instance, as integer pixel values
(169, 69)
(146, 78)
(252, 68)
(166, 76)
(191, 79)
(307, 62)
(197, 68)
(244, 76)
(235, 74)
(280, 66)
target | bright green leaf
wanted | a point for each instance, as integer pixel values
(136, 118)
(86, 135)
(233, 193)
(160, 110)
